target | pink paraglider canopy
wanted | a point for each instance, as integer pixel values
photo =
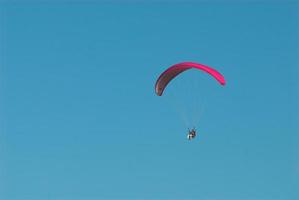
(176, 69)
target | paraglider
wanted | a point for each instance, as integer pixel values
(176, 69)
(169, 74)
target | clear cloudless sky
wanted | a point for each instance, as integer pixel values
(80, 120)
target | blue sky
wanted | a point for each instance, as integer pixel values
(80, 119)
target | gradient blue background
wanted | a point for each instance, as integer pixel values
(80, 120)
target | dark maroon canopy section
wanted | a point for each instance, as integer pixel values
(176, 69)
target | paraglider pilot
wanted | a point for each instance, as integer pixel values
(191, 134)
